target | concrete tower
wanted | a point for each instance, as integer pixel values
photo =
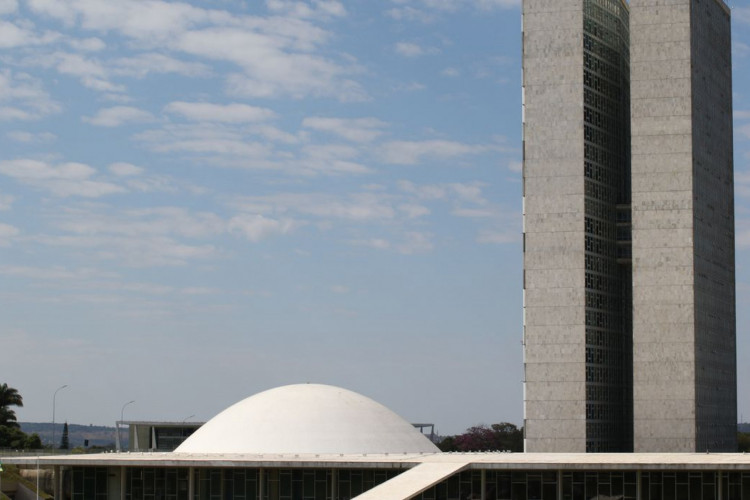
(576, 191)
(684, 384)
(622, 357)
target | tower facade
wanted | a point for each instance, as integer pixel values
(684, 384)
(606, 340)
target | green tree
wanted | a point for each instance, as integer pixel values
(9, 397)
(64, 444)
(743, 442)
(12, 437)
(497, 437)
(33, 442)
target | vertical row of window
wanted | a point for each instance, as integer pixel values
(89, 483)
(606, 165)
(147, 483)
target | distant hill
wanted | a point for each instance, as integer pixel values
(743, 427)
(97, 435)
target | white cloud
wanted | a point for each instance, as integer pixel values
(229, 113)
(413, 152)
(275, 56)
(252, 147)
(8, 6)
(141, 65)
(408, 49)
(275, 134)
(65, 179)
(330, 159)
(410, 14)
(498, 4)
(472, 212)
(296, 75)
(87, 44)
(740, 49)
(157, 183)
(316, 9)
(424, 192)
(146, 251)
(498, 237)
(742, 115)
(515, 166)
(454, 5)
(199, 290)
(426, 10)
(137, 238)
(125, 169)
(55, 273)
(26, 97)
(353, 207)
(352, 129)
(416, 242)
(6, 201)
(134, 178)
(30, 137)
(118, 115)
(409, 87)
(377, 243)
(741, 14)
(13, 36)
(214, 144)
(456, 191)
(90, 72)
(7, 233)
(742, 183)
(257, 227)
(152, 20)
(450, 72)
(149, 221)
(413, 211)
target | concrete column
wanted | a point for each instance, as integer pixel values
(484, 484)
(638, 485)
(123, 482)
(334, 489)
(191, 483)
(56, 481)
(261, 489)
(559, 485)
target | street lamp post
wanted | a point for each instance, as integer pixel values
(54, 401)
(122, 412)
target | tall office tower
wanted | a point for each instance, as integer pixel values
(684, 384)
(577, 277)
(622, 357)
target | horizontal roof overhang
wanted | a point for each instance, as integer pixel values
(488, 461)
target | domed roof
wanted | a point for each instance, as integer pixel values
(307, 418)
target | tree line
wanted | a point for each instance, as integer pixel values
(496, 437)
(507, 437)
(11, 435)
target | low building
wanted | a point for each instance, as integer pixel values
(316, 442)
(156, 436)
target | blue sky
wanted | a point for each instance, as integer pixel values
(201, 200)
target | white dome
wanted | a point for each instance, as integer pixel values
(307, 418)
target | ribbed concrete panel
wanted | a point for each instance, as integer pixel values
(662, 246)
(554, 328)
(682, 227)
